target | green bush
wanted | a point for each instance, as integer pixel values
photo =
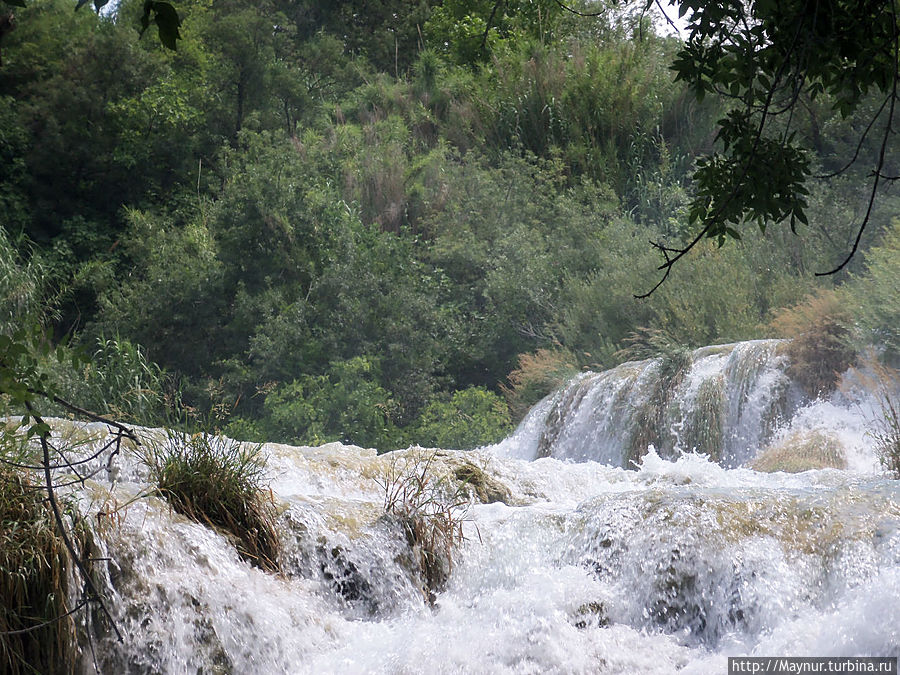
(469, 419)
(218, 482)
(876, 297)
(346, 405)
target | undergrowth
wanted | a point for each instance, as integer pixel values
(218, 482)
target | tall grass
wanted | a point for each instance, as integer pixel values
(218, 482)
(883, 382)
(120, 381)
(37, 634)
(887, 433)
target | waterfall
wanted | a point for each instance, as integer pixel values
(580, 553)
(728, 402)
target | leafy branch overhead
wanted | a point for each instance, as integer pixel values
(163, 14)
(768, 58)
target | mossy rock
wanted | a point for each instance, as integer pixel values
(801, 451)
(484, 487)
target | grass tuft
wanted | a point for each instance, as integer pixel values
(883, 382)
(801, 451)
(218, 482)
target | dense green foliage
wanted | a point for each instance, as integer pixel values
(367, 222)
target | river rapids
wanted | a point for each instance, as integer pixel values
(636, 522)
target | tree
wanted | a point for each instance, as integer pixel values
(770, 60)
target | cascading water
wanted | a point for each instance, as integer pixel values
(571, 564)
(722, 401)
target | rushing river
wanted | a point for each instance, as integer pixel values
(586, 554)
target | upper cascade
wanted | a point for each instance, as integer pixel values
(731, 402)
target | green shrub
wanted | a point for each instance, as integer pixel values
(469, 419)
(218, 482)
(345, 405)
(877, 302)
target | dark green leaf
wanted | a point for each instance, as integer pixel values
(168, 22)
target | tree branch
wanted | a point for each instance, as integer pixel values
(888, 129)
(60, 524)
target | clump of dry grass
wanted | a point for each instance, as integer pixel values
(431, 508)
(818, 349)
(538, 374)
(37, 633)
(219, 482)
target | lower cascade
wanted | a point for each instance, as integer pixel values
(655, 518)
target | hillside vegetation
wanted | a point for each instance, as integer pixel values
(385, 223)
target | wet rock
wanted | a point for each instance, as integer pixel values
(345, 578)
(591, 615)
(697, 602)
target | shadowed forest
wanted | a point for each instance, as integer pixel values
(394, 222)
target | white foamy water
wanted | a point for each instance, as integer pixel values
(583, 567)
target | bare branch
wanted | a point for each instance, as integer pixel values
(858, 145)
(586, 15)
(44, 624)
(57, 515)
(888, 129)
